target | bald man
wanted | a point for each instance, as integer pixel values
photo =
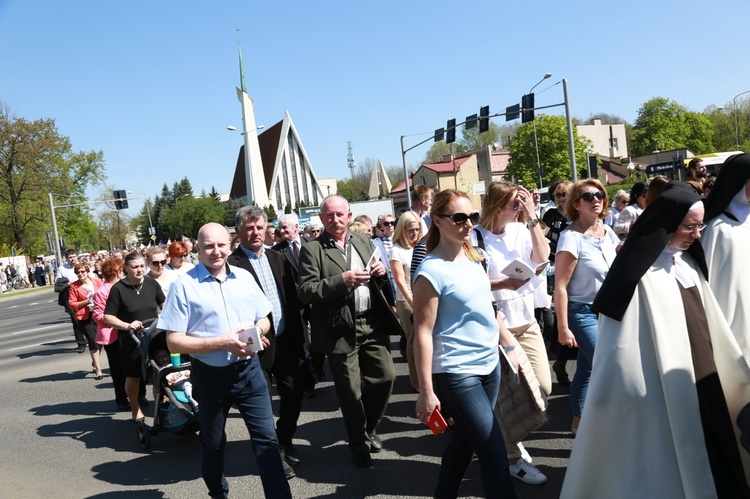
(206, 309)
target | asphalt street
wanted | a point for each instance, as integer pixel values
(62, 438)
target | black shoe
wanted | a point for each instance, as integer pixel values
(376, 445)
(288, 471)
(290, 454)
(362, 458)
(81, 349)
(125, 406)
(142, 402)
(562, 375)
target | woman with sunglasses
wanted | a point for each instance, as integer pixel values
(178, 253)
(669, 379)
(457, 333)
(81, 301)
(585, 252)
(630, 214)
(506, 237)
(407, 234)
(156, 259)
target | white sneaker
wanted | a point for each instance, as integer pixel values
(527, 473)
(524, 453)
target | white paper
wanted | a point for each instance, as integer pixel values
(514, 378)
(518, 269)
(251, 336)
(374, 258)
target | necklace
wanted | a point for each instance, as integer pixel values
(138, 289)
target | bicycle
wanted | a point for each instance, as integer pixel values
(18, 282)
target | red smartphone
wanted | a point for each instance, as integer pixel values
(436, 422)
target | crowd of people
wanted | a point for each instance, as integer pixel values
(483, 301)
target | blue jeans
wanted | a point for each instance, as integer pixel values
(583, 323)
(469, 399)
(217, 390)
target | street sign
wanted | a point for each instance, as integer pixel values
(308, 212)
(153, 238)
(512, 112)
(659, 168)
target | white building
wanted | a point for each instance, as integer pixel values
(608, 140)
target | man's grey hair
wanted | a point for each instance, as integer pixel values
(335, 196)
(289, 218)
(251, 213)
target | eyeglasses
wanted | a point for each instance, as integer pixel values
(461, 218)
(159, 262)
(389, 224)
(561, 194)
(315, 231)
(691, 228)
(589, 196)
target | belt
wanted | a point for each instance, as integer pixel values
(237, 366)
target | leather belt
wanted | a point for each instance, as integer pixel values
(237, 366)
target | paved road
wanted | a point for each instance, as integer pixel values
(61, 437)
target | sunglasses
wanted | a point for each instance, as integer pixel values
(561, 194)
(589, 196)
(159, 262)
(180, 256)
(389, 224)
(315, 231)
(461, 218)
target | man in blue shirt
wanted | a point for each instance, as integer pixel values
(204, 312)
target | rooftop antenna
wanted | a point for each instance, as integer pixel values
(350, 158)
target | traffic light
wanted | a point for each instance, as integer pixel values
(439, 134)
(593, 168)
(484, 119)
(512, 112)
(527, 103)
(471, 121)
(450, 131)
(121, 200)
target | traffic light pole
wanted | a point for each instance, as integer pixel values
(58, 250)
(571, 143)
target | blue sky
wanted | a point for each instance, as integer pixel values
(152, 84)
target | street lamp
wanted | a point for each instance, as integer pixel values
(232, 129)
(536, 144)
(151, 231)
(736, 122)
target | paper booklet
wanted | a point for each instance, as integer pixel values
(518, 269)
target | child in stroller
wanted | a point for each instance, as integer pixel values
(179, 380)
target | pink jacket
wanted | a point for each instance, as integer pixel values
(105, 335)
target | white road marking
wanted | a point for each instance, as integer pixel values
(39, 329)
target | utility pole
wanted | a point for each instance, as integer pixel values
(350, 158)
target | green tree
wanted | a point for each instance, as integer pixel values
(471, 139)
(188, 215)
(663, 124)
(352, 190)
(182, 189)
(36, 160)
(230, 209)
(552, 139)
(270, 213)
(438, 151)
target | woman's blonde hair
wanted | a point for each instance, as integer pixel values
(439, 203)
(399, 234)
(574, 194)
(497, 195)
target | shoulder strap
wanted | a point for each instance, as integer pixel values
(480, 239)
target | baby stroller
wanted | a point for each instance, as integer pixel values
(172, 409)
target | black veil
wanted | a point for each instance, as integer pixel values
(647, 239)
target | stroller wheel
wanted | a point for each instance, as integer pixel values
(144, 435)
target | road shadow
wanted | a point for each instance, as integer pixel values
(59, 347)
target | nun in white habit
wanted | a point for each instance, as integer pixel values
(726, 242)
(668, 377)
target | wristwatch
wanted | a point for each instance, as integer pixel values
(532, 223)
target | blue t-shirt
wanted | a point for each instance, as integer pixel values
(466, 333)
